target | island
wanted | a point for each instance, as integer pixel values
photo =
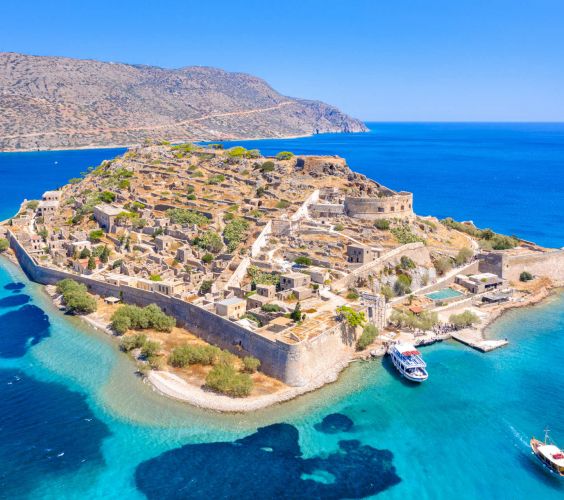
(237, 281)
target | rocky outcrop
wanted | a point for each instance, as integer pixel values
(57, 102)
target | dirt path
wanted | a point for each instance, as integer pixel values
(150, 127)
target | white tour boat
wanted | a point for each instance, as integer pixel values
(549, 454)
(409, 362)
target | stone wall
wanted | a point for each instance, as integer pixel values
(295, 364)
(399, 205)
(418, 252)
(510, 266)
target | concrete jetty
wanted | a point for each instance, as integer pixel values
(474, 339)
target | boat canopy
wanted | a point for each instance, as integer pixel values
(552, 453)
(407, 350)
(408, 356)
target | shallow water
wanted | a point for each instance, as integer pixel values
(77, 423)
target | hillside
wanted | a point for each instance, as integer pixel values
(57, 102)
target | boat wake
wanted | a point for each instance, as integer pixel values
(520, 437)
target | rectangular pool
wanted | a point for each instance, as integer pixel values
(444, 294)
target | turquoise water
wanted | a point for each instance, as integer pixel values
(445, 293)
(77, 423)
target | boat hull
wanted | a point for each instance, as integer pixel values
(535, 443)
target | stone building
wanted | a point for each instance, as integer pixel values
(361, 254)
(232, 308)
(105, 215)
(294, 280)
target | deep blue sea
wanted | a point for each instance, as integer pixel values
(75, 421)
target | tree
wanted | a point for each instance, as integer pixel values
(4, 244)
(85, 253)
(368, 336)
(464, 319)
(406, 262)
(296, 314)
(352, 318)
(76, 297)
(105, 255)
(402, 285)
(91, 263)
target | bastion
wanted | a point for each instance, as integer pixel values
(393, 205)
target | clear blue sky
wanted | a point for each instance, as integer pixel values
(414, 60)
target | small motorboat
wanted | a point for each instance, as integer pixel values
(549, 454)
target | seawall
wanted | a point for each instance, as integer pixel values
(295, 364)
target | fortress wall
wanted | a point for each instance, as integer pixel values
(399, 205)
(550, 264)
(294, 364)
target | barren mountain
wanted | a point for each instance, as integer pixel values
(58, 102)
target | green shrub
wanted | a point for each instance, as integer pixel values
(443, 265)
(206, 287)
(382, 224)
(155, 277)
(339, 227)
(207, 258)
(404, 235)
(463, 256)
(96, 235)
(4, 244)
(406, 262)
(525, 276)
(270, 308)
(210, 241)
(303, 260)
(387, 292)
(284, 155)
(184, 216)
(261, 278)
(283, 204)
(251, 364)
(353, 318)
(150, 349)
(107, 196)
(32, 205)
(216, 179)
(368, 336)
(226, 380)
(267, 166)
(131, 342)
(464, 319)
(352, 295)
(235, 232)
(236, 152)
